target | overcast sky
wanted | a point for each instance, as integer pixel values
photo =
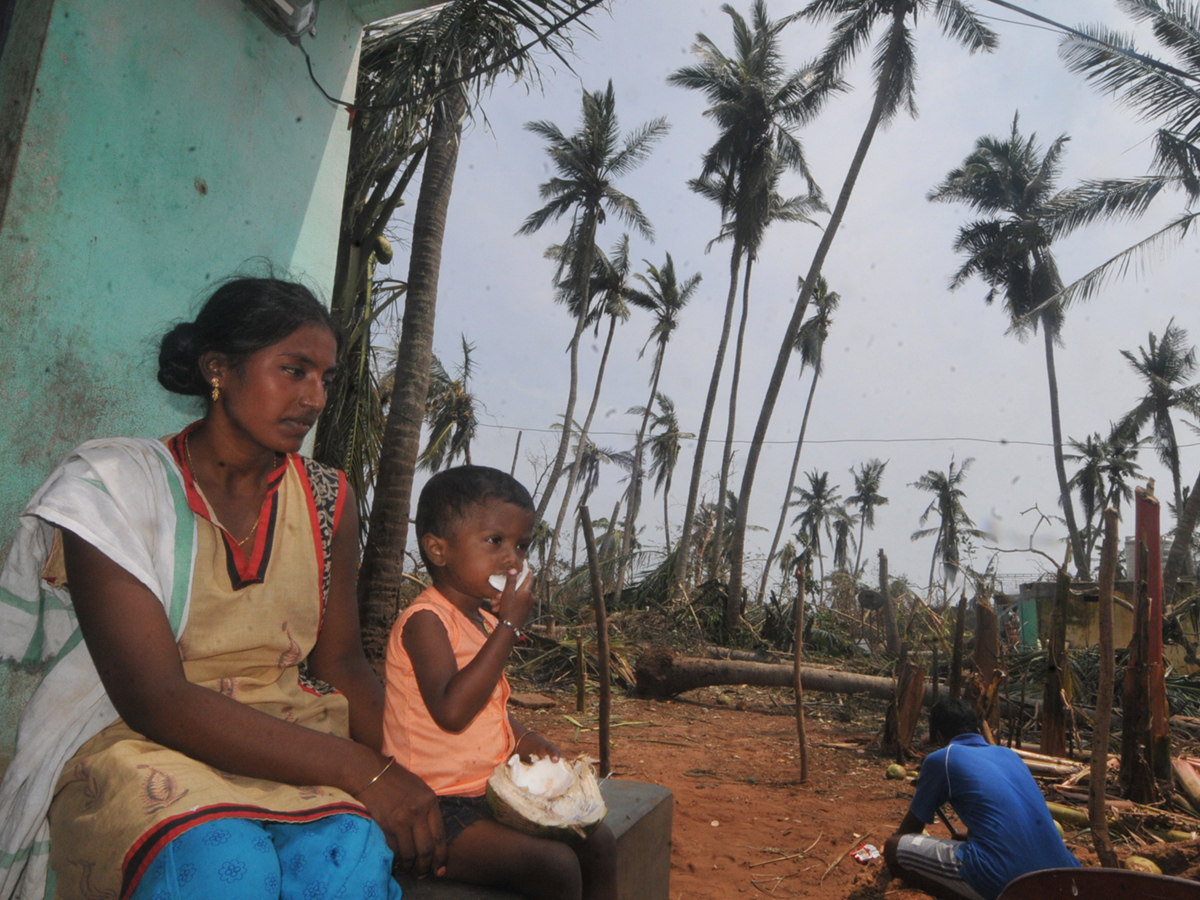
(914, 374)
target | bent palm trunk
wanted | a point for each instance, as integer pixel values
(731, 608)
(787, 494)
(382, 568)
(738, 551)
(683, 560)
(1064, 492)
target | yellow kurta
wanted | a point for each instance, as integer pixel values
(252, 621)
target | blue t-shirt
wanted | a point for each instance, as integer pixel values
(1011, 831)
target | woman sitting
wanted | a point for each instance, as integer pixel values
(180, 750)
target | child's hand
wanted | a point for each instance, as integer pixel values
(533, 744)
(515, 601)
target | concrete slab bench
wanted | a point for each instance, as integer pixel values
(639, 814)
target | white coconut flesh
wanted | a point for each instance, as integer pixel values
(499, 580)
(540, 796)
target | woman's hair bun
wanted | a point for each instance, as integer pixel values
(242, 316)
(179, 361)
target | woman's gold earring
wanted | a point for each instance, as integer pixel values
(216, 391)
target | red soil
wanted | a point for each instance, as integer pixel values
(743, 824)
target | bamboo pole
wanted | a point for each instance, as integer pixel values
(1104, 698)
(589, 542)
(797, 684)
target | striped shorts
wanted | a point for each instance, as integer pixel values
(936, 859)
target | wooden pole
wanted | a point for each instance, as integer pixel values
(589, 542)
(1137, 773)
(956, 660)
(1021, 707)
(797, 684)
(580, 674)
(1104, 698)
(1148, 533)
(1054, 720)
(934, 666)
(516, 452)
(986, 660)
(891, 631)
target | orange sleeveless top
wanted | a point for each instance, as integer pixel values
(452, 764)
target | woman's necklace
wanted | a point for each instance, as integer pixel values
(187, 449)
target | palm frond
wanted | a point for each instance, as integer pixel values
(1138, 257)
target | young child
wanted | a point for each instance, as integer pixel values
(445, 717)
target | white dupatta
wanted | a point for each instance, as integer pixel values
(126, 497)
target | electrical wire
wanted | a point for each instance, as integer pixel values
(1075, 32)
(913, 440)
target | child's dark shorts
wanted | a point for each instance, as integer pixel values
(459, 813)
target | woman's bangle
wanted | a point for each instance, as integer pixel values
(391, 762)
(515, 629)
(517, 745)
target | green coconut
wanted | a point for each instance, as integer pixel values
(1141, 864)
(559, 800)
(896, 771)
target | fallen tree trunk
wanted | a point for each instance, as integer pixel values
(711, 652)
(660, 673)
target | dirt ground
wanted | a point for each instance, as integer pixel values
(743, 824)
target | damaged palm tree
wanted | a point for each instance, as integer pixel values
(429, 68)
(1145, 736)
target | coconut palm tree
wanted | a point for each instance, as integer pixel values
(954, 525)
(810, 344)
(610, 283)
(755, 103)
(665, 296)
(773, 208)
(704, 525)
(843, 522)
(1101, 481)
(1165, 366)
(818, 503)
(592, 457)
(1158, 92)
(665, 444)
(895, 87)
(1088, 483)
(457, 50)
(450, 412)
(787, 561)
(1010, 183)
(588, 163)
(866, 498)
(1185, 529)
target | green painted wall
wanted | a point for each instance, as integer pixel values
(159, 146)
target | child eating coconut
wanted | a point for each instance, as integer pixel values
(445, 717)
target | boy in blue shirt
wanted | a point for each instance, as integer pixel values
(1010, 831)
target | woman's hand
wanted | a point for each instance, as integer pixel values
(407, 810)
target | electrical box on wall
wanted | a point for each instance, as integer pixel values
(290, 18)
